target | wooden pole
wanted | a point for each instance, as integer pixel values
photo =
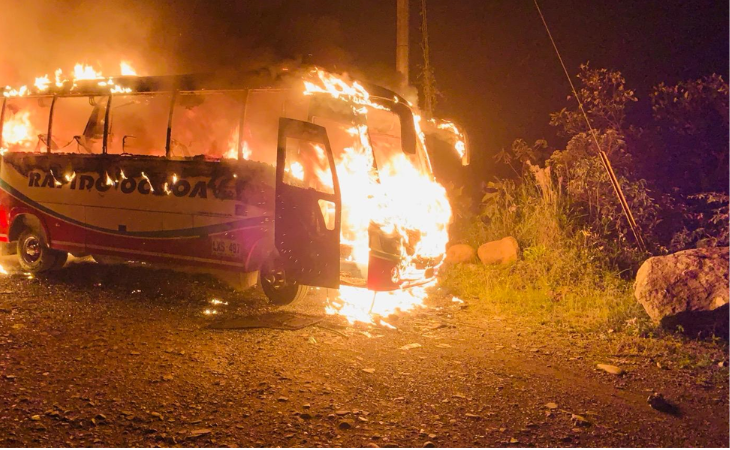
(401, 48)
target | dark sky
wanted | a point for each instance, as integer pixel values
(493, 61)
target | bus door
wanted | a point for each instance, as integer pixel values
(308, 205)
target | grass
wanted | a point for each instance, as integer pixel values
(562, 277)
(543, 292)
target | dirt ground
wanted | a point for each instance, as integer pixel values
(123, 356)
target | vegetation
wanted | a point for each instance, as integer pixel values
(578, 253)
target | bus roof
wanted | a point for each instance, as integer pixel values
(215, 81)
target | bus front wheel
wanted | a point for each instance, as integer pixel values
(277, 288)
(34, 254)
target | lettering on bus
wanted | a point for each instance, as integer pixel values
(87, 182)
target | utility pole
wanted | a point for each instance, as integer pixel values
(428, 79)
(401, 46)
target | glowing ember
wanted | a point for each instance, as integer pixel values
(3, 271)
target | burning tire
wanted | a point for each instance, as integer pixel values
(35, 256)
(277, 288)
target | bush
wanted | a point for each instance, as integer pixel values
(562, 278)
(578, 250)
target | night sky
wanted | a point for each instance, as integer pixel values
(493, 61)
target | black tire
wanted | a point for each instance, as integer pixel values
(277, 288)
(34, 255)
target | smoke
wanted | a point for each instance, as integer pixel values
(39, 36)
(185, 36)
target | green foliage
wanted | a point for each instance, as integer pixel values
(604, 96)
(578, 252)
(690, 133)
(562, 278)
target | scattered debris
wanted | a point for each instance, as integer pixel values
(551, 405)
(370, 370)
(658, 402)
(614, 370)
(579, 421)
(410, 346)
(200, 432)
(345, 424)
(429, 444)
(279, 320)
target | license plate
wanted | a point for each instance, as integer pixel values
(226, 248)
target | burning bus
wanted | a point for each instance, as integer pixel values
(295, 179)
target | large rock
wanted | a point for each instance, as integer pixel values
(502, 251)
(460, 253)
(688, 288)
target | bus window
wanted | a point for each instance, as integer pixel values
(385, 131)
(339, 121)
(25, 124)
(78, 124)
(261, 125)
(307, 166)
(206, 124)
(138, 124)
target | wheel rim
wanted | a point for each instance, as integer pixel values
(32, 248)
(276, 278)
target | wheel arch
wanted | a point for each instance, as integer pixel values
(23, 220)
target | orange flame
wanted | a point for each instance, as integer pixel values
(126, 69)
(400, 198)
(18, 130)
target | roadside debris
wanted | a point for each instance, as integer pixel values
(658, 402)
(410, 346)
(579, 421)
(614, 370)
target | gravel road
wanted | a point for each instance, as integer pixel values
(123, 356)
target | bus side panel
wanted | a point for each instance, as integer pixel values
(189, 212)
(24, 193)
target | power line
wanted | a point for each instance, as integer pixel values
(604, 157)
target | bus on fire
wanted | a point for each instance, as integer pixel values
(281, 178)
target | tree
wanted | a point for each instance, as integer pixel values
(691, 124)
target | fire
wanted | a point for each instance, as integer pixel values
(362, 305)
(42, 83)
(458, 136)
(18, 130)
(126, 69)
(85, 72)
(399, 198)
(80, 72)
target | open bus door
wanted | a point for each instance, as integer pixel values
(308, 205)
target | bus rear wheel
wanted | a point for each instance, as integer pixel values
(277, 288)
(34, 254)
